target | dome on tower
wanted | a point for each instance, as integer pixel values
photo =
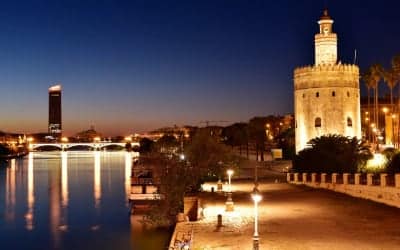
(325, 15)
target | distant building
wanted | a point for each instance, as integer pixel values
(327, 94)
(88, 135)
(55, 124)
(385, 126)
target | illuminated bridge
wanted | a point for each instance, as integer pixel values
(67, 145)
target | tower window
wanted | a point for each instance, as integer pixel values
(349, 122)
(333, 93)
(348, 94)
(318, 122)
(304, 95)
(317, 94)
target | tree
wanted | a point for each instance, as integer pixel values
(332, 154)
(393, 165)
(390, 78)
(376, 71)
(257, 135)
(396, 65)
(368, 83)
(176, 178)
(286, 141)
(396, 69)
(371, 78)
(167, 144)
(146, 145)
(207, 155)
(236, 135)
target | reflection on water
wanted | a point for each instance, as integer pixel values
(128, 171)
(54, 180)
(70, 200)
(30, 194)
(97, 179)
(64, 178)
(10, 191)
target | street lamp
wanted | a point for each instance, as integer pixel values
(256, 196)
(230, 173)
(229, 202)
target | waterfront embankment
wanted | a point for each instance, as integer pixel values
(292, 217)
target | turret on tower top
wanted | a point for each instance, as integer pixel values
(325, 41)
(325, 23)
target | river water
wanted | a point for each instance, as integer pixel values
(71, 200)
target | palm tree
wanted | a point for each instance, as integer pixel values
(376, 75)
(367, 80)
(372, 77)
(396, 69)
(390, 78)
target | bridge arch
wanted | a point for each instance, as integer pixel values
(93, 145)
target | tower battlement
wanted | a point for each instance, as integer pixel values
(322, 75)
(327, 67)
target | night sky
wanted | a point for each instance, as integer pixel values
(132, 66)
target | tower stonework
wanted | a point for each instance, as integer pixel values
(327, 94)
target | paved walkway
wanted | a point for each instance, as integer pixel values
(295, 217)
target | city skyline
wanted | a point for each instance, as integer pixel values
(132, 67)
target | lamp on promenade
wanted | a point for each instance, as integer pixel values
(229, 202)
(256, 196)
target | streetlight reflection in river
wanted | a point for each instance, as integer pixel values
(10, 191)
(30, 194)
(64, 179)
(97, 179)
(128, 171)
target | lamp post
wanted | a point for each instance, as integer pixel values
(229, 202)
(256, 196)
(385, 110)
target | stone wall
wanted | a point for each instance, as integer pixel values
(382, 188)
(330, 93)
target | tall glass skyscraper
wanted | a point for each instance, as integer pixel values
(55, 110)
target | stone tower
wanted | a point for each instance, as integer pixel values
(327, 94)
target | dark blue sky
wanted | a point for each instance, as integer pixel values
(131, 66)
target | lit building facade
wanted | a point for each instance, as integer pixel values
(327, 94)
(54, 127)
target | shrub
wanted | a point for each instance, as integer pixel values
(332, 154)
(393, 165)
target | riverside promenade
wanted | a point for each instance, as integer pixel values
(293, 217)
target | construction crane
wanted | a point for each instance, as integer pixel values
(207, 122)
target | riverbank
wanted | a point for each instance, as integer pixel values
(293, 217)
(14, 155)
